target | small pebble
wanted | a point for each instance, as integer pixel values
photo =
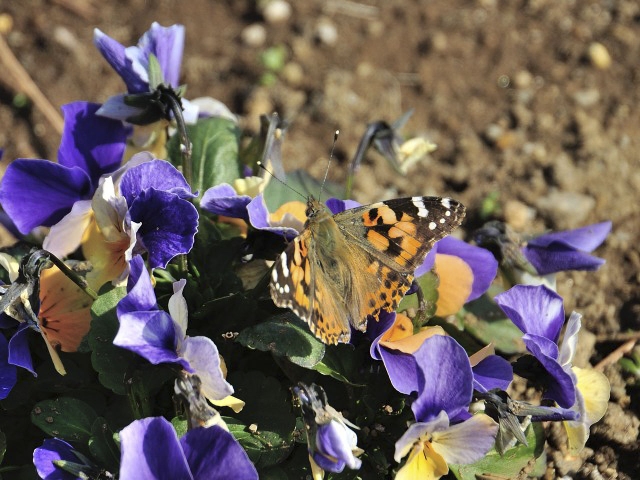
(326, 32)
(599, 56)
(6, 23)
(523, 79)
(254, 35)
(518, 215)
(293, 73)
(587, 97)
(493, 132)
(566, 209)
(276, 11)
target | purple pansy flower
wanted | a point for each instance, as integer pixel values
(539, 313)
(40, 193)
(335, 444)
(482, 263)
(331, 443)
(166, 44)
(445, 432)
(157, 197)
(568, 250)
(160, 337)
(223, 200)
(132, 63)
(8, 372)
(57, 450)
(151, 450)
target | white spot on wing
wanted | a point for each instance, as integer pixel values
(432, 226)
(419, 204)
(446, 202)
(285, 268)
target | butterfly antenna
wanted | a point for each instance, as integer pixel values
(260, 165)
(326, 173)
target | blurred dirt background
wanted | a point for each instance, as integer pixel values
(532, 102)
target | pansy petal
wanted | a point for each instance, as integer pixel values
(140, 295)
(8, 372)
(537, 309)
(334, 465)
(151, 450)
(492, 372)
(40, 192)
(558, 258)
(567, 348)
(65, 236)
(466, 442)
(116, 108)
(336, 205)
(54, 449)
(169, 225)
(150, 335)
(377, 327)
(202, 355)
(592, 402)
(178, 307)
(223, 200)
(481, 261)
(167, 44)
(157, 174)
(418, 430)
(211, 107)
(402, 370)
(447, 379)
(93, 143)
(455, 285)
(427, 265)
(586, 238)
(336, 440)
(65, 310)
(424, 464)
(114, 53)
(259, 218)
(595, 390)
(19, 353)
(559, 384)
(213, 453)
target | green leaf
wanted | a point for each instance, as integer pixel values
(342, 362)
(64, 417)
(487, 322)
(268, 408)
(510, 464)
(285, 336)
(102, 445)
(215, 152)
(429, 283)
(109, 361)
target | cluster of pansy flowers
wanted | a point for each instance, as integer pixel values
(129, 212)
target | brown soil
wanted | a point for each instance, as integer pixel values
(513, 93)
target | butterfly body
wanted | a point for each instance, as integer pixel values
(358, 262)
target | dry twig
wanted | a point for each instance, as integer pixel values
(22, 82)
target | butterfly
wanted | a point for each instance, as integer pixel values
(358, 262)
